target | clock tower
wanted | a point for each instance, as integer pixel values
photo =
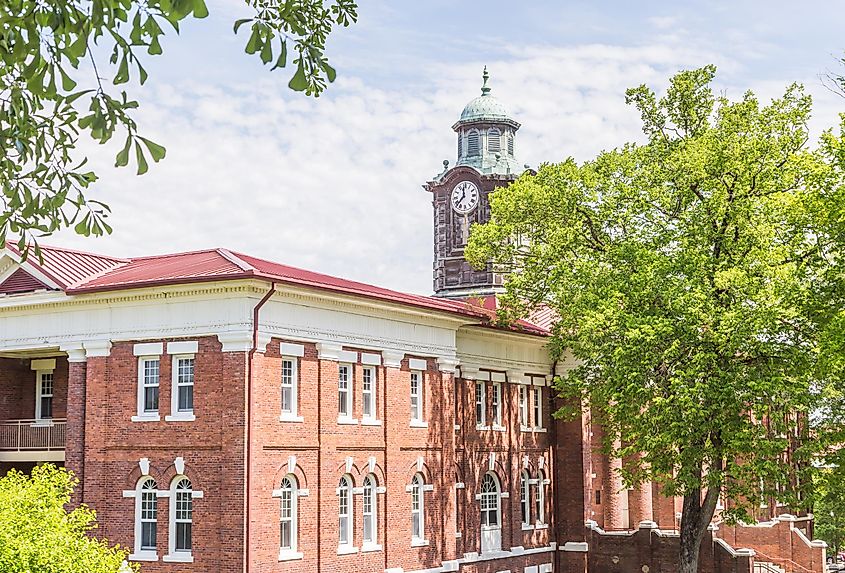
(461, 194)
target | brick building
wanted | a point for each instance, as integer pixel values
(226, 413)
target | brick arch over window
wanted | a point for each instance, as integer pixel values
(355, 472)
(189, 471)
(425, 471)
(498, 468)
(132, 477)
(284, 470)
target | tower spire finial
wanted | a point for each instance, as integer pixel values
(485, 89)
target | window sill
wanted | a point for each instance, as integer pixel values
(540, 430)
(367, 547)
(527, 527)
(288, 555)
(418, 424)
(420, 542)
(498, 428)
(370, 422)
(541, 526)
(45, 423)
(143, 556)
(346, 421)
(181, 417)
(291, 418)
(178, 558)
(481, 427)
(346, 550)
(146, 418)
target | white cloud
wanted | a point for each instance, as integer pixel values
(333, 184)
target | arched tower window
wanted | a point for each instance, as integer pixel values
(493, 140)
(417, 508)
(344, 493)
(288, 514)
(510, 144)
(146, 512)
(473, 143)
(524, 505)
(181, 516)
(370, 510)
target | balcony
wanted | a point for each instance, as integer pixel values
(32, 440)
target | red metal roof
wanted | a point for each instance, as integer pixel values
(79, 272)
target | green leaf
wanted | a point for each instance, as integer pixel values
(122, 159)
(282, 61)
(267, 51)
(241, 22)
(254, 40)
(142, 161)
(157, 152)
(299, 82)
(200, 9)
(122, 75)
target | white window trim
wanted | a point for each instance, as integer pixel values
(496, 391)
(141, 415)
(293, 415)
(418, 416)
(524, 479)
(373, 544)
(418, 541)
(523, 407)
(39, 420)
(180, 556)
(541, 500)
(346, 418)
(141, 554)
(537, 399)
(371, 419)
(481, 397)
(175, 415)
(289, 553)
(347, 547)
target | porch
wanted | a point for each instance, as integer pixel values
(33, 408)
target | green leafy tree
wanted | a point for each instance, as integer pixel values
(54, 86)
(37, 533)
(829, 508)
(692, 279)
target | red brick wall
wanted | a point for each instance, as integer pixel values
(17, 389)
(212, 447)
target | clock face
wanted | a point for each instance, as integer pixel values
(465, 197)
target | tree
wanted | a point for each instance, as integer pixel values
(37, 534)
(829, 509)
(53, 88)
(690, 276)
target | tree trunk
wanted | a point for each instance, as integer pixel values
(694, 522)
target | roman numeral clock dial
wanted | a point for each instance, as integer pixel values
(464, 197)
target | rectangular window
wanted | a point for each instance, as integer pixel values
(184, 366)
(289, 384)
(523, 407)
(148, 373)
(344, 392)
(45, 396)
(480, 404)
(368, 389)
(416, 396)
(416, 510)
(496, 402)
(368, 515)
(538, 407)
(149, 508)
(184, 515)
(286, 520)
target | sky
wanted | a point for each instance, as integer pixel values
(333, 184)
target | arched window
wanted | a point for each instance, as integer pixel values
(181, 517)
(473, 143)
(493, 140)
(288, 515)
(490, 501)
(524, 499)
(344, 494)
(510, 144)
(370, 511)
(146, 520)
(540, 500)
(417, 509)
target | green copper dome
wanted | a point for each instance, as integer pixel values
(485, 107)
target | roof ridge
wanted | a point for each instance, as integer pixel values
(168, 255)
(235, 260)
(68, 250)
(97, 275)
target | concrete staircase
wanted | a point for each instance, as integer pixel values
(766, 567)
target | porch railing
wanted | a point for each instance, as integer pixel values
(32, 435)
